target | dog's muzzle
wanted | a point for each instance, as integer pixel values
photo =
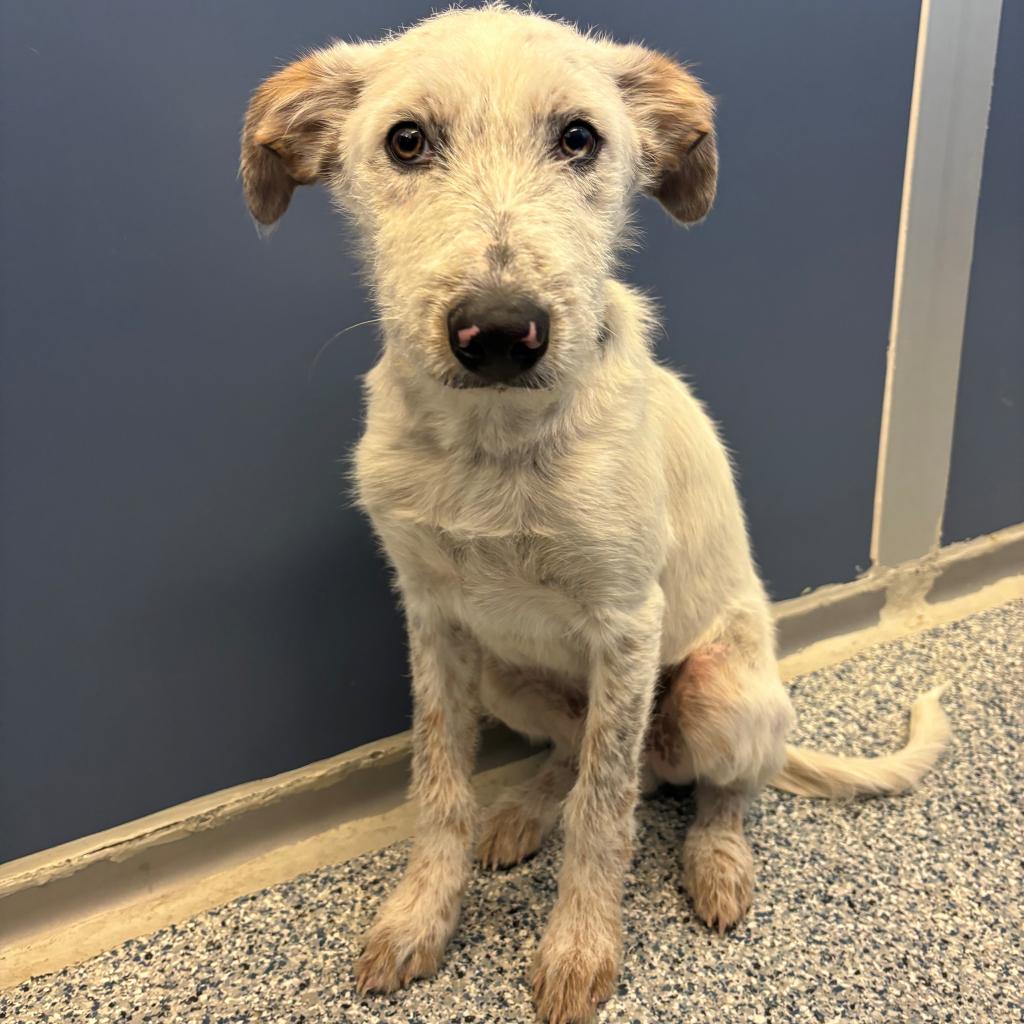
(498, 337)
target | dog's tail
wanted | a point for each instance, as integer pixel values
(809, 773)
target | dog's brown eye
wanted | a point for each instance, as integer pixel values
(578, 140)
(407, 143)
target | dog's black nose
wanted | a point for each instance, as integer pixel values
(498, 337)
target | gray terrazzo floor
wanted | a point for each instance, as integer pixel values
(905, 909)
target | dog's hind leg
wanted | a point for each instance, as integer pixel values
(721, 723)
(523, 816)
(516, 826)
(718, 866)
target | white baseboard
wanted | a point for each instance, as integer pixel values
(71, 902)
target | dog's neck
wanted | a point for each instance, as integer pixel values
(514, 422)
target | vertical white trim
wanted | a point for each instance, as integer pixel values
(956, 52)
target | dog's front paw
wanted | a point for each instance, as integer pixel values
(412, 929)
(509, 835)
(718, 872)
(574, 971)
(393, 957)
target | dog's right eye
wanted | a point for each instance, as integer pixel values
(408, 144)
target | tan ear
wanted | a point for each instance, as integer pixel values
(675, 119)
(292, 127)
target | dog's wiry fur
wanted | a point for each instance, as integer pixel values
(572, 555)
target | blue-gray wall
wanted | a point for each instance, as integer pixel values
(187, 600)
(986, 476)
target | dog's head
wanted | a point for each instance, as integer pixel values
(489, 158)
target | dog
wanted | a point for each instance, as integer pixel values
(558, 508)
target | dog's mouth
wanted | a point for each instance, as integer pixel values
(531, 381)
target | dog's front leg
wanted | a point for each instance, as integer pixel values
(414, 924)
(578, 959)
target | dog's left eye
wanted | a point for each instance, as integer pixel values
(579, 140)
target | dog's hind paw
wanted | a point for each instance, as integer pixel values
(718, 872)
(509, 835)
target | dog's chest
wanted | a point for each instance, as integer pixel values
(522, 596)
(521, 557)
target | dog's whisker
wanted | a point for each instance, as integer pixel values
(334, 337)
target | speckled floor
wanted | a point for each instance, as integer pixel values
(906, 909)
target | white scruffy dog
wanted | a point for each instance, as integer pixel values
(559, 510)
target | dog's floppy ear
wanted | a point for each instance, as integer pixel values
(292, 127)
(675, 119)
